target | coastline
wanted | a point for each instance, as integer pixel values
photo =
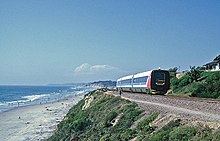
(34, 122)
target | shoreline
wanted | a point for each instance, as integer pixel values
(35, 122)
(34, 103)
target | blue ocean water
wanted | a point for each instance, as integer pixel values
(16, 96)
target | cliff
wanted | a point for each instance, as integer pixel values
(101, 116)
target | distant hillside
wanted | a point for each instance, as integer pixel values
(107, 83)
(99, 84)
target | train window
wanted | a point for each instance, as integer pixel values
(140, 80)
(119, 83)
(126, 82)
(160, 78)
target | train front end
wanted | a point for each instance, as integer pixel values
(160, 81)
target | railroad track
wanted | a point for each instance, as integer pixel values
(209, 100)
(173, 96)
(203, 109)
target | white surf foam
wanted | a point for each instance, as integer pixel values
(34, 97)
(2, 104)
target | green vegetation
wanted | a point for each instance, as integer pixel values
(96, 122)
(194, 73)
(198, 84)
(109, 118)
(174, 131)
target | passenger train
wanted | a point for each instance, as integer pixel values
(154, 81)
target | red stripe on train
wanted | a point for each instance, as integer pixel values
(149, 81)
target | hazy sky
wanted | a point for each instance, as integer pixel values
(58, 41)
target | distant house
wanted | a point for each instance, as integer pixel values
(214, 65)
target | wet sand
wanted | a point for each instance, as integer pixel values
(36, 122)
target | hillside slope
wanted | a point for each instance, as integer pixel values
(100, 116)
(206, 86)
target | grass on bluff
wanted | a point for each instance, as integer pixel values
(97, 123)
(207, 86)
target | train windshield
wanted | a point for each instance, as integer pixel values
(160, 78)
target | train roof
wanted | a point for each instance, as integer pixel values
(125, 77)
(141, 74)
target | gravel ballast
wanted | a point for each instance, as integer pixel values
(189, 108)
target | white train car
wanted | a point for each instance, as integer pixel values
(125, 82)
(154, 81)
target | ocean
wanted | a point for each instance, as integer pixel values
(16, 96)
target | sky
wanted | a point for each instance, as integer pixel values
(71, 41)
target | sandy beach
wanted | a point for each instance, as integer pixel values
(36, 122)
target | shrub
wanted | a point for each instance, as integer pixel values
(171, 124)
(173, 132)
(206, 87)
(105, 137)
(109, 118)
(182, 134)
(179, 83)
(80, 124)
(203, 134)
(128, 134)
(194, 73)
(210, 88)
(143, 126)
(185, 80)
(174, 83)
(216, 135)
(159, 136)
